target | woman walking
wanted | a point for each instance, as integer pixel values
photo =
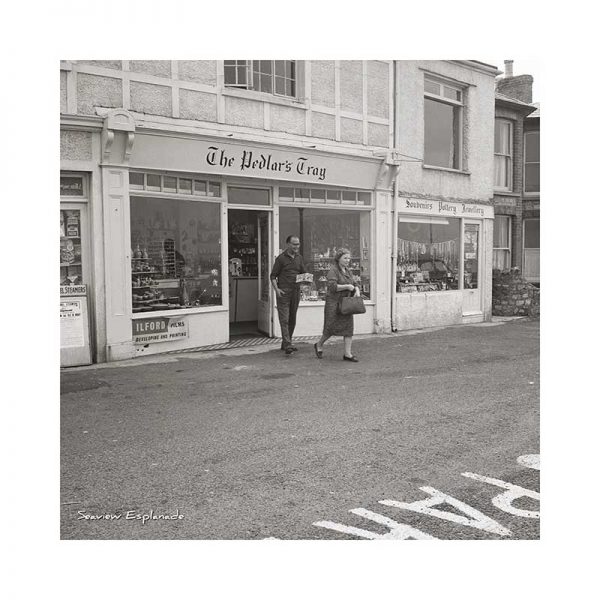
(340, 282)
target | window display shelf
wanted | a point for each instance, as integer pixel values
(73, 264)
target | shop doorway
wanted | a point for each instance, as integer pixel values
(249, 251)
(471, 268)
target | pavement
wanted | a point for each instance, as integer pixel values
(434, 433)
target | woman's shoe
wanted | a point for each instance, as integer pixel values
(351, 358)
(318, 352)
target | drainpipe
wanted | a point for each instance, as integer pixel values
(394, 261)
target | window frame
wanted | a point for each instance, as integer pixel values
(252, 73)
(509, 158)
(530, 162)
(443, 99)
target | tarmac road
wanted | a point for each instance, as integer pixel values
(251, 444)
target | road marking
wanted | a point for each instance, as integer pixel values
(530, 460)
(504, 501)
(398, 531)
(475, 518)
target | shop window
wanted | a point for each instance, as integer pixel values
(502, 243)
(443, 125)
(321, 233)
(70, 247)
(176, 254)
(72, 185)
(503, 152)
(531, 249)
(471, 256)
(276, 77)
(532, 162)
(428, 254)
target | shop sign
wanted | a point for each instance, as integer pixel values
(73, 290)
(159, 329)
(444, 208)
(243, 160)
(71, 324)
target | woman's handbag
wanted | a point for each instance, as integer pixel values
(351, 306)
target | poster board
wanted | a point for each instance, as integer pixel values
(75, 346)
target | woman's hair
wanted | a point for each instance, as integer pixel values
(341, 253)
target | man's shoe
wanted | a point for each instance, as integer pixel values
(293, 348)
(289, 350)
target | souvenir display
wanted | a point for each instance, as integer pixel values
(175, 255)
(70, 248)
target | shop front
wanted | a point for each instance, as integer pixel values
(193, 227)
(442, 263)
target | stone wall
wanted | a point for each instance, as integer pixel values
(514, 296)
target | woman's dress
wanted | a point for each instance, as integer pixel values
(336, 324)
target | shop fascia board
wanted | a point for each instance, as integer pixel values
(259, 143)
(81, 122)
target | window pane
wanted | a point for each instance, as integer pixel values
(432, 87)
(502, 138)
(170, 183)
(266, 83)
(280, 86)
(349, 197)
(290, 88)
(501, 260)
(71, 186)
(229, 73)
(501, 227)
(531, 236)
(471, 256)
(280, 68)
(428, 255)
(214, 189)
(451, 93)
(501, 172)
(266, 66)
(286, 193)
(176, 259)
(364, 198)
(200, 187)
(242, 78)
(333, 195)
(70, 247)
(247, 196)
(136, 180)
(185, 186)
(532, 177)
(441, 134)
(290, 69)
(301, 194)
(317, 194)
(153, 182)
(322, 232)
(532, 147)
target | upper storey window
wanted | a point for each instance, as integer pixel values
(503, 154)
(276, 77)
(532, 162)
(443, 125)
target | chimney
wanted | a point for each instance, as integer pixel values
(518, 87)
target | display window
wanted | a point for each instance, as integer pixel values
(71, 265)
(175, 254)
(322, 232)
(428, 254)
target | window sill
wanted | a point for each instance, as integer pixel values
(499, 192)
(322, 302)
(264, 97)
(446, 170)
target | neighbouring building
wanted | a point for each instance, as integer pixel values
(180, 181)
(517, 176)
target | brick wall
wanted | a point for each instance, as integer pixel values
(519, 87)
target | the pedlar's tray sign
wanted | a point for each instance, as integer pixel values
(159, 329)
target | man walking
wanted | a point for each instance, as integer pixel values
(283, 279)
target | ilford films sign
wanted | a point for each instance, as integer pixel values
(159, 329)
(155, 151)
